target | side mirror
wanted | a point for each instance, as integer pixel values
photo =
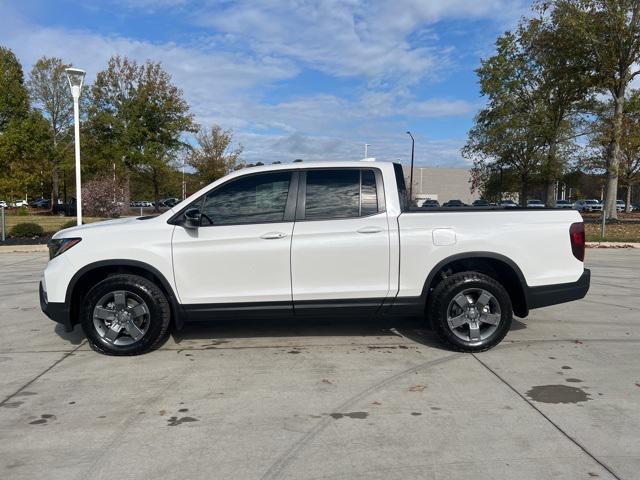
(192, 218)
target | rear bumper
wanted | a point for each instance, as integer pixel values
(58, 312)
(546, 295)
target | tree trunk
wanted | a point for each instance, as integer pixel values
(55, 185)
(552, 194)
(611, 194)
(627, 207)
(524, 187)
(156, 192)
(126, 191)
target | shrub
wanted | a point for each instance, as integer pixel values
(23, 212)
(69, 224)
(27, 229)
(97, 198)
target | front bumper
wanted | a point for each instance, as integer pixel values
(546, 295)
(58, 312)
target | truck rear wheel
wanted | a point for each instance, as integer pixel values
(125, 315)
(470, 311)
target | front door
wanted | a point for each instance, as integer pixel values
(340, 247)
(240, 253)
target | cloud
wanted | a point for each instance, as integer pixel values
(227, 74)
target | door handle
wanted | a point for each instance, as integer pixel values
(370, 229)
(273, 235)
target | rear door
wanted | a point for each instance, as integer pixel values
(340, 246)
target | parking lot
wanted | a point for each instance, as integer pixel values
(559, 398)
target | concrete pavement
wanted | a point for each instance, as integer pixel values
(559, 398)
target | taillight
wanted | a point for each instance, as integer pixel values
(576, 234)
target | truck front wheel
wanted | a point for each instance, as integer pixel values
(125, 315)
(470, 311)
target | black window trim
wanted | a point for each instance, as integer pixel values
(302, 193)
(289, 209)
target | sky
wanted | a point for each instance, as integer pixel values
(293, 78)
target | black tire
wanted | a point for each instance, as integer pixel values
(441, 300)
(157, 320)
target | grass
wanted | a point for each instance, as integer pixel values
(50, 223)
(614, 232)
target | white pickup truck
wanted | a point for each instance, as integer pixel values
(333, 239)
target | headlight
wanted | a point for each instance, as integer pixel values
(60, 245)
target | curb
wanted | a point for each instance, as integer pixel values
(23, 248)
(612, 245)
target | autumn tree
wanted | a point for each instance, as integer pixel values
(50, 93)
(138, 118)
(214, 156)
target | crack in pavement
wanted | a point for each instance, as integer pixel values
(44, 372)
(548, 419)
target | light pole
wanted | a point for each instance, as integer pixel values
(366, 150)
(413, 144)
(76, 78)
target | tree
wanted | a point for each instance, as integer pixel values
(50, 92)
(629, 168)
(23, 145)
(213, 157)
(138, 117)
(14, 100)
(608, 32)
(508, 131)
(564, 87)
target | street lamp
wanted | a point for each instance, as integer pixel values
(366, 150)
(413, 144)
(76, 78)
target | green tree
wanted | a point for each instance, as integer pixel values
(14, 100)
(25, 145)
(508, 132)
(608, 32)
(50, 93)
(138, 117)
(214, 157)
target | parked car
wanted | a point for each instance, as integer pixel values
(20, 203)
(564, 204)
(480, 203)
(231, 251)
(621, 205)
(454, 204)
(430, 204)
(588, 205)
(3, 204)
(635, 206)
(533, 203)
(508, 204)
(40, 203)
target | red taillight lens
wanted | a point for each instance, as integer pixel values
(576, 234)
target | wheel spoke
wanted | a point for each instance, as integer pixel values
(112, 334)
(103, 313)
(134, 331)
(490, 318)
(120, 300)
(483, 300)
(458, 321)
(462, 301)
(139, 310)
(474, 331)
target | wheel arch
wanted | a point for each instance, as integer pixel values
(499, 267)
(90, 274)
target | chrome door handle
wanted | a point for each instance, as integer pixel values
(273, 235)
(370, 229)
